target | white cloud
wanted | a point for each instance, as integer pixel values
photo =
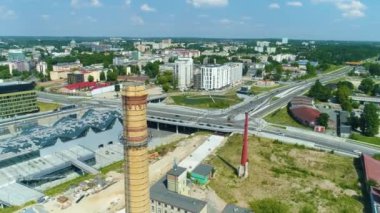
(294, 3)
(45, 16)
(225, 21)
(137, 20)
(147, 8)
(128, 3)
(95, 3)
(274, 6)
(6, 14)
(85, 3)
(349, 8)
(91, 19)
(208, 3)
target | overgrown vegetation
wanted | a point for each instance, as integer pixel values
(287, 177)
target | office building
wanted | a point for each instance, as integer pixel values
(17, 98)
(183, 72)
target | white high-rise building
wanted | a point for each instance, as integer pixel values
(183, 72)
(41, 67)
(284, 40)
(215, 76)
(236, 70)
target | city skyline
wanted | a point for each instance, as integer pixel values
(307, 19)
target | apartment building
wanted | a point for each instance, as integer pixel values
(183, 72)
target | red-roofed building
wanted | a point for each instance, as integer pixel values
(87, 86)
(305, 115)
(372, 173)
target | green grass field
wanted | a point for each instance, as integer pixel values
(289, 176)
(282, 117)
(362, 138)
(257, 90)
(333, 68)
(47, 106)
(205, 101)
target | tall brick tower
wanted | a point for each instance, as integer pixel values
(135, 135)
(243, 169)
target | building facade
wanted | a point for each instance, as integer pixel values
(236, 72)
(17, 98)
(219, 76)
(183, 72)
(215, 77)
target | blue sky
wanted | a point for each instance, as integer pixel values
(297, 19)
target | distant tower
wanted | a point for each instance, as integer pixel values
(243, 169)
(135, 149)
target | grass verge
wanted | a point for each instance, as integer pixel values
(206, 101)
(257, 90)
(44, 106)
(282, 117)
(362, 138)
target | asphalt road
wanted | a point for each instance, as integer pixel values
(220, 120)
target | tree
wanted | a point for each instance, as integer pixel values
(369, 120)
(166, 87)
(374, 69)
(152, 69)
(367, 85)
(102, 76)
(343, 96)
(376, 90)
(354, 121)
(323, 120)
(311, 70)
(90, 78)
(111, 76)
(320, 92)
(147, 81)
(346, 83)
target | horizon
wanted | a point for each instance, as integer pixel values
(335, 20)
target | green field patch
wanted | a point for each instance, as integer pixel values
(282, 117)
(207, 101)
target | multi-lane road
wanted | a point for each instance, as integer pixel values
(228, 120)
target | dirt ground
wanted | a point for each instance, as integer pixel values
(112, 198)
(298, 177)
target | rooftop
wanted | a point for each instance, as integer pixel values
(159, 192)
(203, 169)
(230, 208)
(16, 86)
(65, 129)
(176, 171)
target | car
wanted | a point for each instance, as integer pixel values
(357, 152)
(176, 115)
